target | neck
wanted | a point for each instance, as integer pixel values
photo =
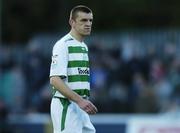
(77, 36)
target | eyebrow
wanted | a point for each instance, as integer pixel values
(85, 19)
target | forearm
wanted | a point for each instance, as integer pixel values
(59, 84)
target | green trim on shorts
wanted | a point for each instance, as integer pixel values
(65, 103)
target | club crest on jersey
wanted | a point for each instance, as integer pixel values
(54, 62)
(83, 71)
(54, 59)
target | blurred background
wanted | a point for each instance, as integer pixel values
(135, 64)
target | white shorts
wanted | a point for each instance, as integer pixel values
(67, 117)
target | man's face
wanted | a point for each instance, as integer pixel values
(82, 24)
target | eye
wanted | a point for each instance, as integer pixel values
(84, 20)
(91, 20)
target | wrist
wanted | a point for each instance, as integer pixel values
(79, 99)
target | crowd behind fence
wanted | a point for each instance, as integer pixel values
(131, 72)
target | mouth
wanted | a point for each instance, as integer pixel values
(88, 29)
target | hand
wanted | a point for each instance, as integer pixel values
(87, 106)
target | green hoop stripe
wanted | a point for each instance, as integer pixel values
(78, 64)
(82, 92)
(77, 49)
(76, 78)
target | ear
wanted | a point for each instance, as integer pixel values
(70, 22)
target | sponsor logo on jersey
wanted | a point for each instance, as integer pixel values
(83, 71)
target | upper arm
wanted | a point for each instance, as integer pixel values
(59, 60)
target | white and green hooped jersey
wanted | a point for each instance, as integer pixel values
(70, 60)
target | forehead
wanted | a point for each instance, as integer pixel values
(83, 15)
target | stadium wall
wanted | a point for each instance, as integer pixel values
(104, 123)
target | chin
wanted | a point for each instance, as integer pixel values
(88, 33)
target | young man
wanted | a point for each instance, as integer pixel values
(69, 77)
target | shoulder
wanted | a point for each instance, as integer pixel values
(85, 45)
(61, 43)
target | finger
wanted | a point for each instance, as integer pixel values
(89, 109)
(91, 112)
(94, 108)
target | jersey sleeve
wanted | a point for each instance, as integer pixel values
(59, 60)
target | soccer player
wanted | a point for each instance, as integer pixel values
(69, 77)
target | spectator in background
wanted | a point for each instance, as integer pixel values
(12, 82)
(3, 118)
(36, 70)
(145, 100)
